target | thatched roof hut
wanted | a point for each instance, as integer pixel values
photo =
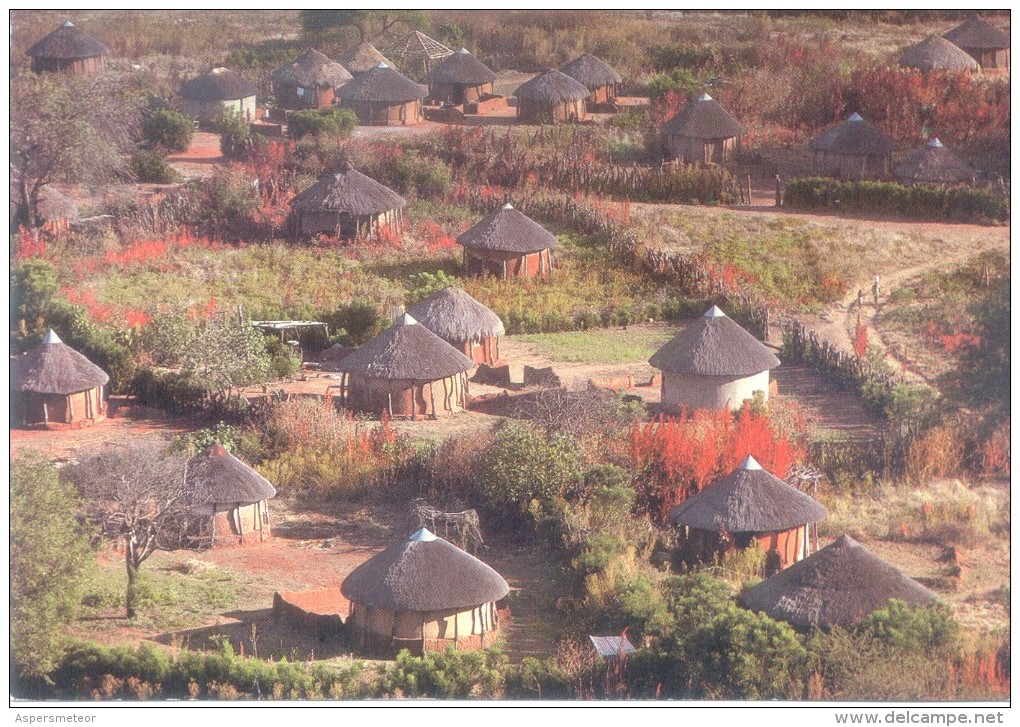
(507, 243)
(933, 163)
(55, 208)
(70, 49)
(347, 205)
(383, 97)
(310, 82)
(364, 57)
(418, 52)
(460, 78)
(749, 505)
(713, 364)
(600, 78)
(463, 322)
(984, 42)
(937, 54)
(837, 586)
(423, 593)
(208, 96)
(397, 372)
(702, 133)
(551, 97)
(53, 384)
(853, 149)
(231, 497)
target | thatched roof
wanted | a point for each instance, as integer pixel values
(854, 137)
(455, 316)
(217, 476)
(312, 70)
(348, 191)
(508, 230)
(423, 573)
(462, 68)
(220, 85)
(406, 351)
(978, 34)
(748, 500)
(332, 356)
(52, 205)
(703, 118)
(937, 54)
(53, 367)
(68, 42)
(714, 345)
(591, 72)
(364, 57)
(382, 84)
(839, 585)
(551, 87)
(418, 45)
(933, 163)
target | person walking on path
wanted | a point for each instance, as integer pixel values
(874, 288)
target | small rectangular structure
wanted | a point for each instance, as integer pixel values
(612, 647)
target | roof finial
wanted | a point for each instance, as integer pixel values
(463, 51)
(855, 117)
(714, 312)
(382, 64)
(507, 206)
(935, 143)
(67, 24)
(704, 97)
(422, 536)
(52, 337)
(406, 319)
(749, 463)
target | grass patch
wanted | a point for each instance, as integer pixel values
(610, 346)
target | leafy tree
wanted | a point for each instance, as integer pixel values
(235, 133)
(34, 289)
(151, 166)
(50, 558)
(369, 24)
(68, 128)
(168, 129)
(137, 494)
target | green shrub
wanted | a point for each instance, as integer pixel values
(922, 630)
(448, 675)
(152, 167)
(412, 173)
(168, 130)
(235, 133)
(334, 122)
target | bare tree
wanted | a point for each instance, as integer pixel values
(137, 493)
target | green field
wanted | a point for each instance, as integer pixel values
(607, 345)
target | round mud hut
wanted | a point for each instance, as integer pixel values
(347, 205)
(507, 243)
(748, 507)
(383, 97)
(933, 163)
(56, 211)
(984, 42)
(836, 586)
(423, 594)
(459, 79)
(310, 82)
(702, 133)
(551, 97)
(364, 57)
(600, 78)
(463, 322)
(937, 54)
(405, 371)
(713, 364)
(68, 49)
(418, 53)
(231, 499)
(53, 385)
(853, 149)
(210, 95)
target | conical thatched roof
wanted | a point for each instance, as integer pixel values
(384, 84)
(935, 164)
(53, 367)
(423, 573)
(407, 351)
(462, 68)
(52, 205)
(312, 70)
(220, 85)
(418, 45)
(364, 57)
(839, 585)
(937, 54)
(348, 191)
(217, 476)
(748, 500)
(455, 316)
(714, 345)
(551, 87)
(854, 137)
(68, 42)
(591, 72)
(978, 34)
(703, 118)
(508, 230)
